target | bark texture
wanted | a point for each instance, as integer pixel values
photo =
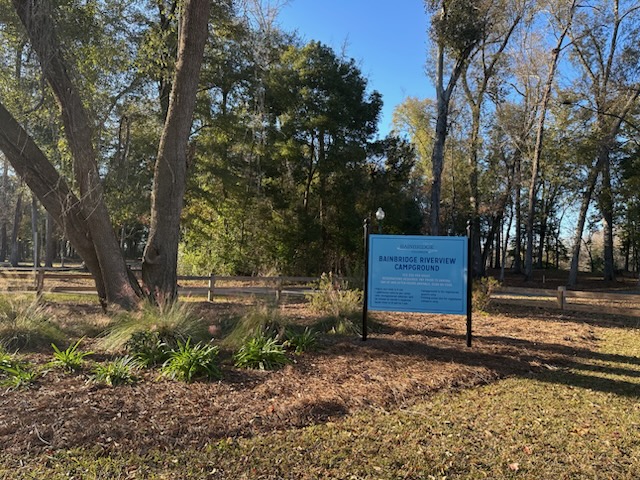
(159, 268)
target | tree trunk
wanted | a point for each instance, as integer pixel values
(517, 255)
(606, 207)
(35, 217)
(37, 19)
(14, 257)
(159, 267)
(32, 166)
(582, 218)
(4, 204)
(51, 245)
(537, 152)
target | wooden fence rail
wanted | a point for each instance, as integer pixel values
(55, 281)
(627, 304)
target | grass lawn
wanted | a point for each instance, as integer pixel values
(577, 421)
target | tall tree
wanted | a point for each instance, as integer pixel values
(85, 218)
(606, 49)
(564, 17)
(476, 81)
(457, 27)
(159, 268)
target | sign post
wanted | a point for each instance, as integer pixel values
(410, 273)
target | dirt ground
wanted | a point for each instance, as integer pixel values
(409, 357)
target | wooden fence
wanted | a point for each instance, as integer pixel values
(44, 280)
(627, 303)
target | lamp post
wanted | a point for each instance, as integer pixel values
(380, 217)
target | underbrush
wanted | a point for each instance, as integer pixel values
(171, 322)
(26, 325)
(580, 420)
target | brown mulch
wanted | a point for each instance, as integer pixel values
(410, 357)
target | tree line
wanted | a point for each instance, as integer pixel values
(199, 136)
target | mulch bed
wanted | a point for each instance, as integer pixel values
(406, 360)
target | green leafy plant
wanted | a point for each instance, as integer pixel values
(147, 348)
(188, 362)
(170, 321)
(335, 299)
(17, 375)
(26, 325)
(257, 320)
(70, 359)
(301, 341)
(117, 372)
(261, 352)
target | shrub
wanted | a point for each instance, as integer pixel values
(70, 359)
(147, 348)
(117, 372)
(334, 298)
(481, 292)
(258, 320)
(26, 325)
(261, 352)
(188, 362)
(303, 341)
(171, 322)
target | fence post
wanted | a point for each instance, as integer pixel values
(278, 290)
(39, 282)
(561, 297)
(212, 282)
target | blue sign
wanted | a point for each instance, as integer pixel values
(409, 273)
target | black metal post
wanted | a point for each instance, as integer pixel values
(365, 292)
(469, 282)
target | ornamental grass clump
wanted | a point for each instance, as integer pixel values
(262, 319)
(26, 325)
(335, 299)
(120, 371)
(261, 352)
(15, 374)
(147, 348)
(71, 359)
(301, 342)
(169, 321)
(191, 362)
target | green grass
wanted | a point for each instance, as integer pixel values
(581, 422)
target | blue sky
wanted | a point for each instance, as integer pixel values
(387, 39)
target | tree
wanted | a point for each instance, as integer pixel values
(457, 27)
(565, 18)
(609, 88)
(476, 81)
(85, 218)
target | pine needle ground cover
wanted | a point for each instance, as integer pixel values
(540, 395)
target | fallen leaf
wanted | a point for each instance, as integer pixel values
(514, 467)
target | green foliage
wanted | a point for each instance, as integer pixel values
(14, 374)
(147, 348)
(116, 372)
(189, 362)
(335, 299)
(261, 352)
(459, 24)
(301, 341)
(481, 292)
(257, 320)
(70, 359)
(26, 325)
(171, 322)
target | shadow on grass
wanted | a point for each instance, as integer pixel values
(602, 320)
(547, 361)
